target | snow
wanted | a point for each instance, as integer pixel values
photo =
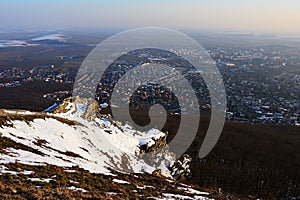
(81, 108)
(175, 196)
(47, 180)
(96, 146)
(192, 191)
(168, 196)
(21, 43)
(70, 171)
(74, 182)
(111, 193)
(14, 43)
(19, 112)
(149, 142)
(120, 181)
(103, 105)
(4, 170)
(99, 144)
(152, 136)
(57, 37)
(144, 187)
(76, 189)
(141, 188)
(154, 133)
(27, 172)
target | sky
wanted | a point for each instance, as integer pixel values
(258, 16)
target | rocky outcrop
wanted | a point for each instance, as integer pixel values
(63, 107)
(154, 144)
(92, 108)
(180, 170)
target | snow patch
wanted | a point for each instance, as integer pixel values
(168, 196)
(120, 181)
(76, 189)
(47, 180)
(57, 37)
(4, 170)
(14, 43)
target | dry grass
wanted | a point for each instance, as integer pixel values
(96, 186)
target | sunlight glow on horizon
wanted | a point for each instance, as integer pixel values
(266, 16)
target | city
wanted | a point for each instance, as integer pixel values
(262, 84)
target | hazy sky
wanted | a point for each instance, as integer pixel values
(268, 16)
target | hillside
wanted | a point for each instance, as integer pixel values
(76, 152)
(72, 154)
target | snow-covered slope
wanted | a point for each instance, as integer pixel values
(66, 139)
(97, 144)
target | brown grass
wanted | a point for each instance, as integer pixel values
(97, 185)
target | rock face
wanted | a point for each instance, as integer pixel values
(63, 107)
(180, 170)
(91, 108)
(154, 144)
